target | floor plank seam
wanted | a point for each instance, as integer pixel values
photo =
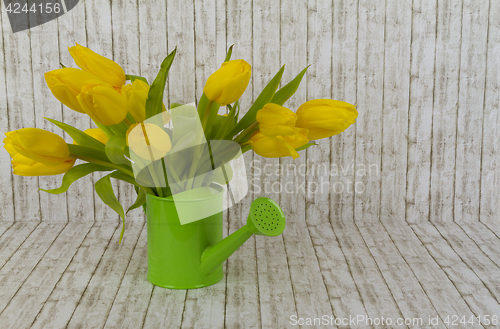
(33, 230)
(412, 271)
(477, 245)
(92, 275)
(21, 285)
(466, 263)
(123, 276)
(290, 274)
(183, 309)
(62, 274)
(380, 271)
(8, 228)
(349, 267)
(147, 308)
(447, 275)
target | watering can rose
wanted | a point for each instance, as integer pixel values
(103, 68)
(65, 84)
(325, 117)
(279, 146)
(276, 120)
(103, 103)
(227, 84)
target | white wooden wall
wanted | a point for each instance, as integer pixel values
(423, 73)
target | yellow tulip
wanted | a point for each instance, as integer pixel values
(227, 84)
(148, 141)
(103, 103)
(38, 145)
(24, 166)
(137, 95)
(275, 120)
(325, 117)
(66, 84)
(100, 66)
(97, 134)
(278, 146)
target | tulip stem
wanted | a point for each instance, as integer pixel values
(127, 121)
(246, 133)
(206, 114)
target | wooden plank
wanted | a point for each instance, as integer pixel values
(470, 110)
(395, 108)
(309, 291)
(4, 226)
(472, 255)
(410, 296)
(15, 271)
(472, 288)
(13, 238)
(134, 287)
(275, 288)
(63, 300)
(377, 298)
(165, 308)
(44, 58)
(6, 192)
(444, 116)
(344, 78)
(242, 289)
(126, 53)
(490, 178)
(180, 29)
(72, 29)
(100, 39)
(484, 238)
(20, 105)
(420, 114)
(94, 305)
(369, 96)
(439, 288)
(343, 293)
(44, 277)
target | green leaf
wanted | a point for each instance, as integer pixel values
(132, 78)
(105, 192)
(174, 105)
(124, 177)
(85, 152)
(265, 97)
(62, 65)
(305, 146)
(154, 103)
(75, 174)
(289, 89)
(202, 105)
(105, 129)
(116, 149)
(141, 199)
(229, 53)
(79, 136)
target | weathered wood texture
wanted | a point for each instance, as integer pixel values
(424, 76)
(76, 275)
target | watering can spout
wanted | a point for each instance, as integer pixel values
(265, 218)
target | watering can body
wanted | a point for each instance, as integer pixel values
(175, 250)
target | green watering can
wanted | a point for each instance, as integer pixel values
(191, 256)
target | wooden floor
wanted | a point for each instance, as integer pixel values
(75, 275)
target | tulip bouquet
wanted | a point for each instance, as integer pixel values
(121, 106)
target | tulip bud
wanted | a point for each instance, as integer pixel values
(227, 84)
(278, 146)
(100, 66)
(325, 117)
(103, 103)
(276, 120)
(66, 84)
(148, 141)
(37, 145)
(137, 94)
(97, 134)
